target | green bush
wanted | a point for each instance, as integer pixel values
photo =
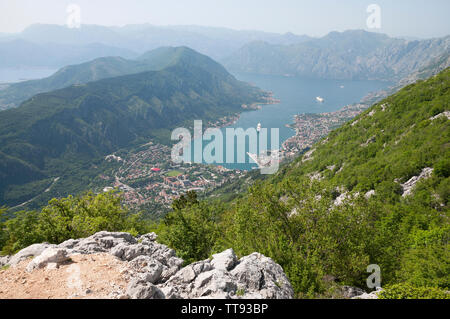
(191, 228)
(71, 217)
(442, 168)
(406, 291)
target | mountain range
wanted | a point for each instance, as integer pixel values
(13, 95)
(214, 42)
(347, 55)
(353, 54)
(375, 191)
(55, 132)
(19, 53)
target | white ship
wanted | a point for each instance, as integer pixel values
(258, 128)
(319, 99)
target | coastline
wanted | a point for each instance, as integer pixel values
(310, 127)
(232, 119)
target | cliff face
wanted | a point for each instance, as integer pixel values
(118, 265)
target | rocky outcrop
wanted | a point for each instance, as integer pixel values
(153, 271)
(28, 252)
(411, 183)
(51, 256)
(445, 114)
(349, 292)
(254, 276)
(4, 260)
(372, 295)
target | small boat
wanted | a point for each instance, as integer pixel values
(258, 128)
(319, 99)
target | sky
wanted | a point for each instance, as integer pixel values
(411, 18)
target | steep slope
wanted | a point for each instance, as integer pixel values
(53, 132)
(348, 55)
(378, 146)
(435, 66)
(374, 192)
(14, 94)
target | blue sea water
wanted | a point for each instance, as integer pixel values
(12, 75)
(297, 96)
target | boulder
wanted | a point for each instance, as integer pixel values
(147, 238)
(147, 268)
(141, 289)
(99, 242)
(262, 278)
(4, 260)
(49, 256)
(69, 244)
(225, 260)
(215, 283)
(254, 276)
(30, 251)
(130, 252)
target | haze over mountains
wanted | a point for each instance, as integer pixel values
(332, 56)
(88, 149)
(214, 42)
(353, 54)
(19, 53)
(117, 100)
(101, 68)
(54, 132)
(348, 55)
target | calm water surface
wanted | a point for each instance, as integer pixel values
(297, 95)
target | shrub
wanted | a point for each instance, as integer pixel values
(406, 291)
(71, 217)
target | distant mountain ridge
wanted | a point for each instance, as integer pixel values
(212, 41)
(354, 54)
(107, 67)
(56, 132)
(23, 53)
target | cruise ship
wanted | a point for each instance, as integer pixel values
(319, 99)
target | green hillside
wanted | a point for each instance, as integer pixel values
(341, 206)
(62, 132)
(102, 68)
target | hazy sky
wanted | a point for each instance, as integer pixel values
(417, 18)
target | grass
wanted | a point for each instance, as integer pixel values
(240, 292)
(174, 173)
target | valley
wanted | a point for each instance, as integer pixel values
(188, 161)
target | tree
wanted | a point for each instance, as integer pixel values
(71, 217)
(192, 228)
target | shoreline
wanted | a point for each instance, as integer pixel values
(255, 106)
(320, 125)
